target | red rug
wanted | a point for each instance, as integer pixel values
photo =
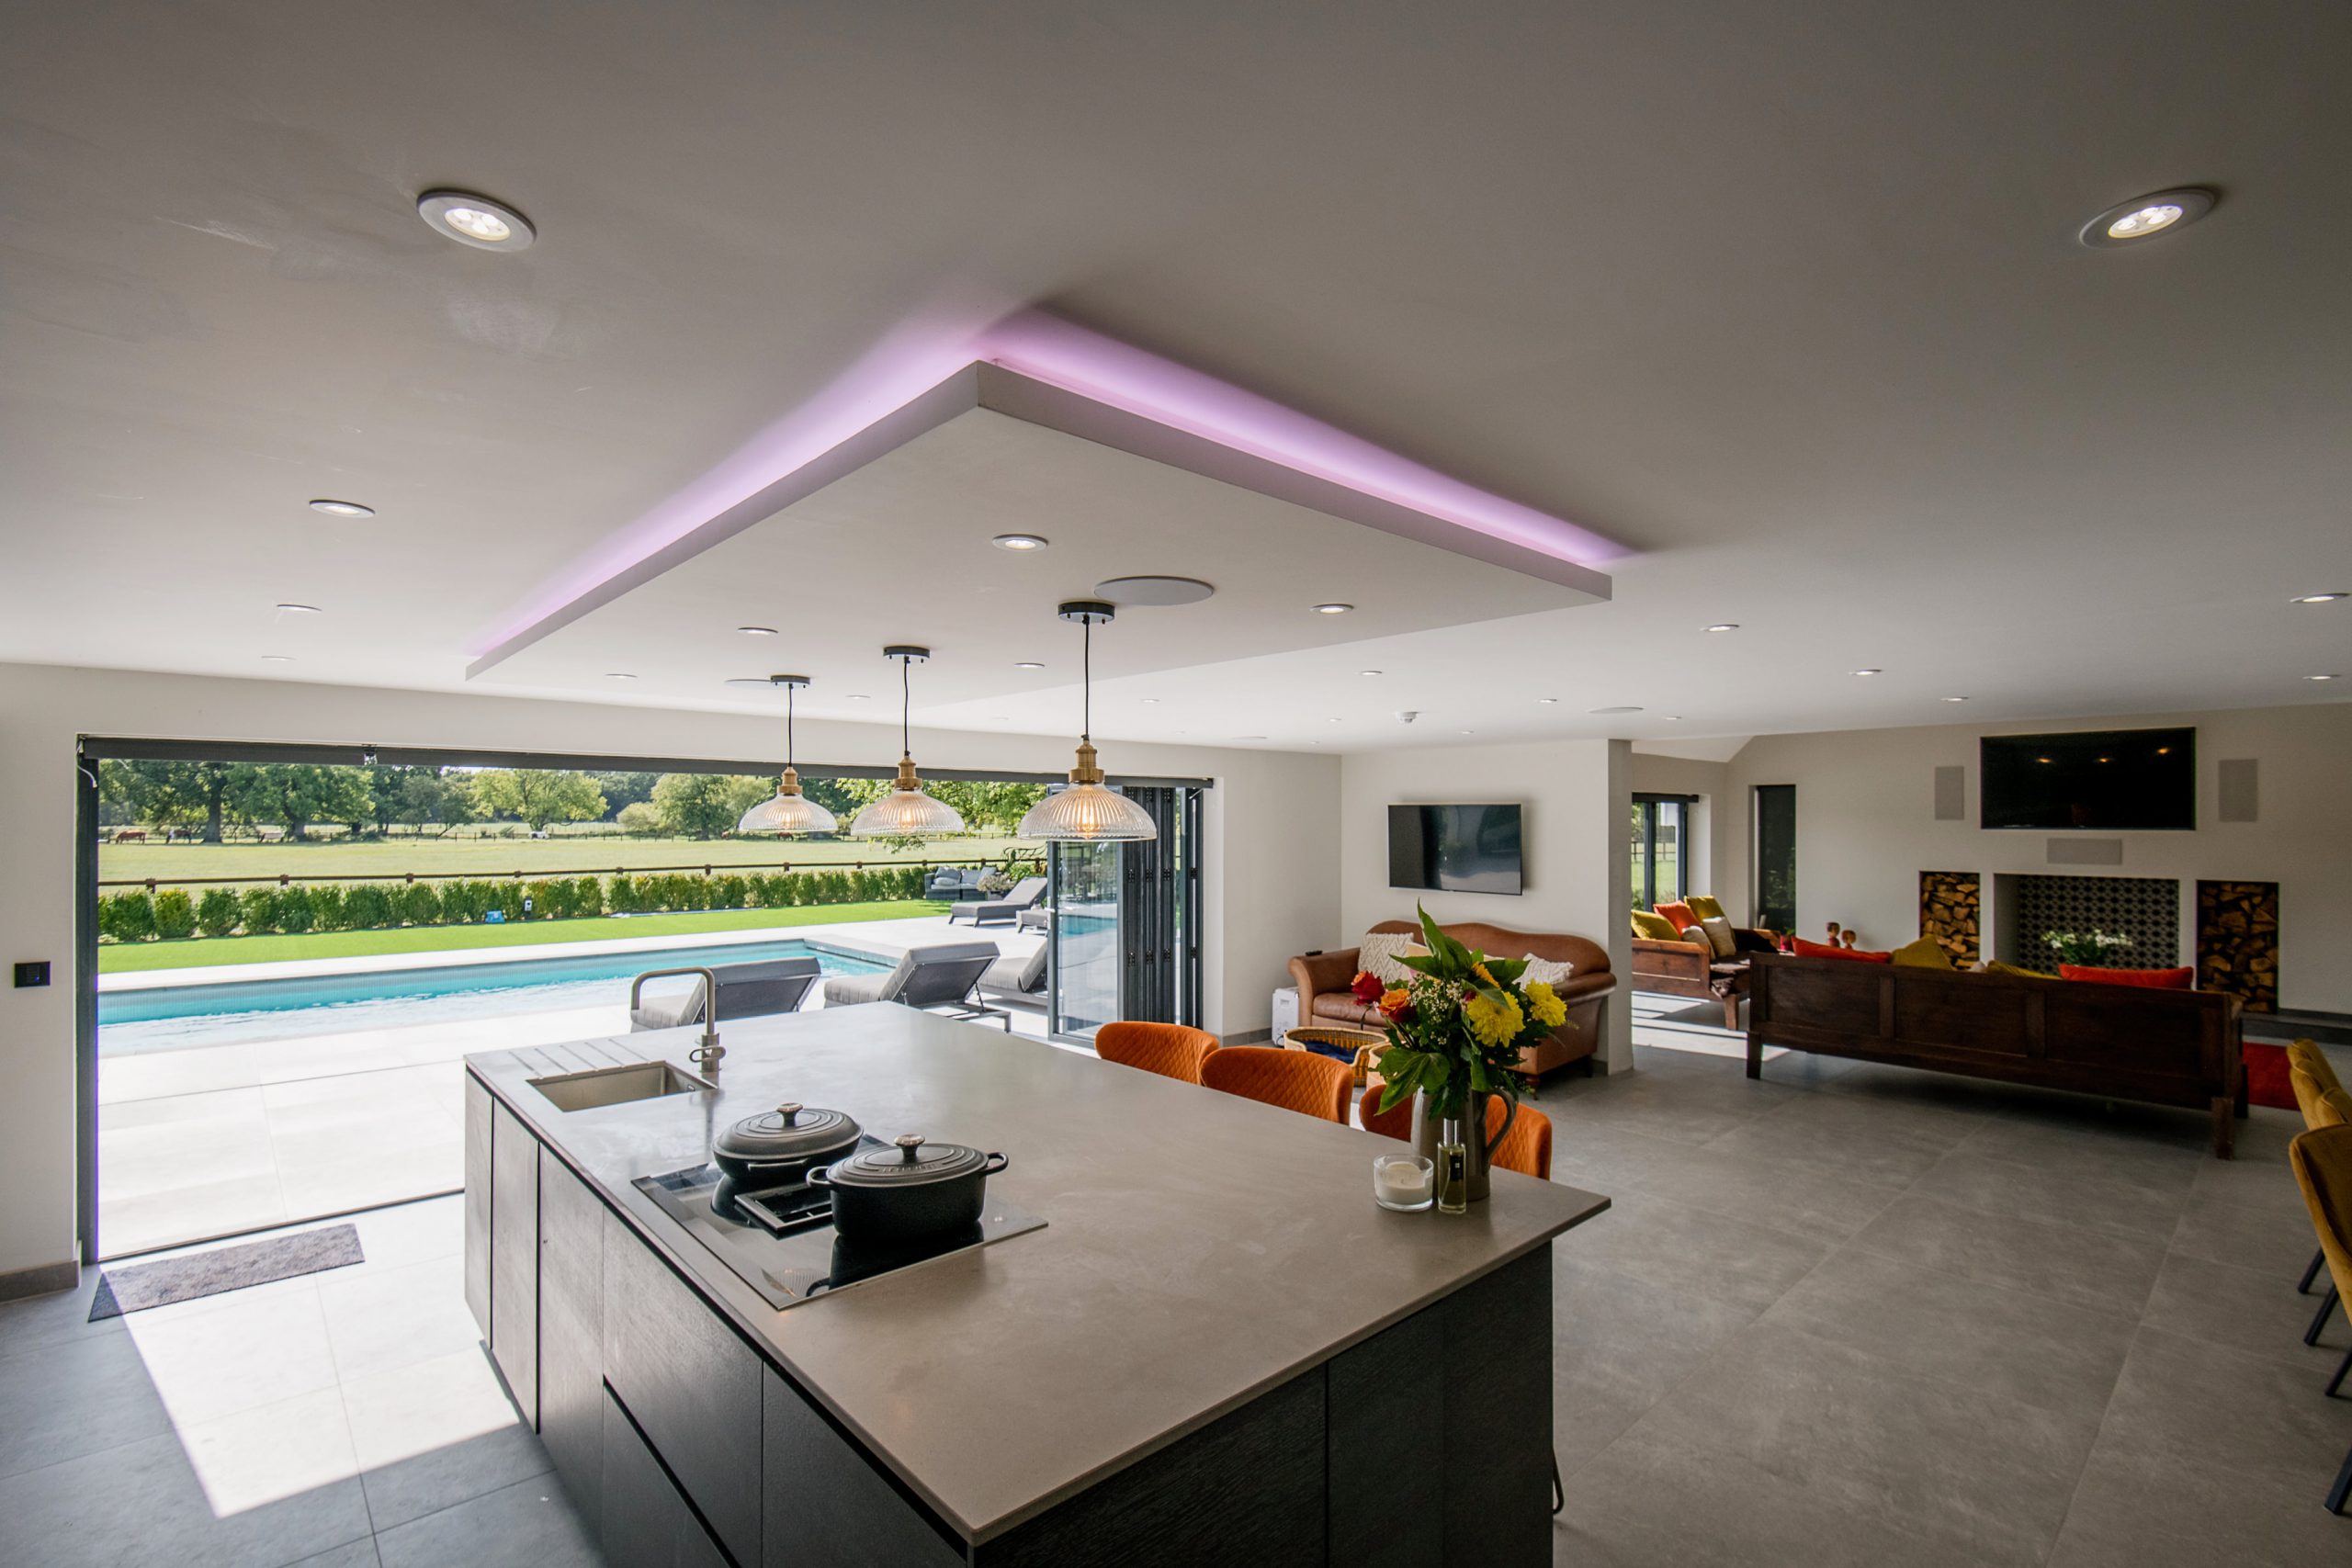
(2265, 1076)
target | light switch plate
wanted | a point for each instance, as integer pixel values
(35, 972)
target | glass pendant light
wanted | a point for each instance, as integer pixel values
(1087, 813)
(906, 812)
(789, 810)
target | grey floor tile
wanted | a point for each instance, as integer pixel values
(1896, 1086)
(526, 1525)
(357, 1554)
(1678, 1250)
(1972, 1469)
(2256, 1311)
(79, 1397)
(2029, 1348)
(1800, 1199)
(141, 1503)
(1887, 1156)
(1656, 1505)
(2208, 1455)
(2070, 1263)
(2274, 1237)
(59, 1318)
(2091, 1146)
(2003, 1188)
(1618, 1344)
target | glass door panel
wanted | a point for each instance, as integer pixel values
(1084, 969)
(1776, 857)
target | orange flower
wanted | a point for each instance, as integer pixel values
(1393, 1002)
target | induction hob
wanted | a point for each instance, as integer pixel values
(786, 1249)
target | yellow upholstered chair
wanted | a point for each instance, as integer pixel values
(2323, 1162)
(2324, 1104)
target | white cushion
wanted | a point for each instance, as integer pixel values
(1379, 951)
(1545, 970)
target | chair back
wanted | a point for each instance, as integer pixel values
(1527, 1148)
(2321, 1106)
(1025, 892)
(2323, 1162)
(1172, 1050)
(1397, 1122)
(752, 990)
(1296, 1080)
(2306, 1054)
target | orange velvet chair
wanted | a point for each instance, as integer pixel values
(1296, 1080)
(1172, 1050)
(1396, 1123)
(1527, 1148)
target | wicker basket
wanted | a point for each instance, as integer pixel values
(1356, 1047)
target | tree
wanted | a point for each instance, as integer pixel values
(299, 794)
(845, 797)
(428, 794)
(623, 790)
(989, 805)
(703, 806)
(538, 795)
(640, 817)
(195, 795)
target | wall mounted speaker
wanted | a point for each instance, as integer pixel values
(2238, 791)
(2085, 852)
(1951, 794)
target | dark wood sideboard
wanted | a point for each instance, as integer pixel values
(2120, 1041)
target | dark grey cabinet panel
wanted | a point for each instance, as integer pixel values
(692, 1386)
(571, 1332)
(477, 1104)
(826, 1503)
(1498, 1423)
(647, 1524)
(514, 1259)
(1248, 1490)
(1381, 1407)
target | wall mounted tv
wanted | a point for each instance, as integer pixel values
(2114, 780)
(1456, 848)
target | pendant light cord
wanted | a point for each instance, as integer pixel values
(788, 729)
(1086, 684)
(906, 700)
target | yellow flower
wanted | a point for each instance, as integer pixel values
(1493, 1022)
(1480, 971)
(1550, 1010)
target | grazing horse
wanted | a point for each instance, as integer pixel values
(130, 835)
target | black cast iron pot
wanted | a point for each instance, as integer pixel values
(909, 1191)
(777, 1148)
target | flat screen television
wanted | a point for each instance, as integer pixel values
(1456, 848)
(2114, 780)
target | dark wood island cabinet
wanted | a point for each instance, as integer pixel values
(1216, 1350)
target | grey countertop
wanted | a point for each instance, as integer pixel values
(1199, 1248)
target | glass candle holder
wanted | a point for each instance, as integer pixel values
(1403, 1182)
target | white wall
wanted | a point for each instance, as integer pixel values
(1866, 830)
(1574, 793)
(1270, 885)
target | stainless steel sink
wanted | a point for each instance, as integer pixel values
(617, 1086)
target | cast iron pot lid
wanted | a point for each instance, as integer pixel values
(791, 1131)
(910, 1161)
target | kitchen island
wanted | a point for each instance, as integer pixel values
(1217, 1348)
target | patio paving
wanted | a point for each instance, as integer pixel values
(217, 1139)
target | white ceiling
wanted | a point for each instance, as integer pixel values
(1786, 299)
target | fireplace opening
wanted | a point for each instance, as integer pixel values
(2144, 908)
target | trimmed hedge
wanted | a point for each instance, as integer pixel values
(137, 916)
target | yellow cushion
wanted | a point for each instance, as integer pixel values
(1997, 967)
(1655, 928)
(1923, 953)
(1706, 908)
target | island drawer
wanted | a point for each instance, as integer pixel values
(647, 1523)
(691, 1385)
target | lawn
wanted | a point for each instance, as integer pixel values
(503, 857)
(122, 958)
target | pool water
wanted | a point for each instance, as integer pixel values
(236, 1012)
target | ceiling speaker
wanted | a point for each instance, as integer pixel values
(2238, 791)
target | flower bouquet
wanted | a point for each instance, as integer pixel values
(2085, 949)
(1455, 1029)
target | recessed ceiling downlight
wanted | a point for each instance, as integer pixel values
(341, 508)
(1723, 626)
(2323, 677)
(1152, 592)
(1865, 671)
(1333, 608)
(2319, 598)
(2146, 217)
(299, 610)
(1021, 542)
(757, 631)
(1027, 664)
(476, 220)
(1613, 710)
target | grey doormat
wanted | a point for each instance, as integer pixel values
(143, 1285)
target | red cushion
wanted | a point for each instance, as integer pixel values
(2147, 979)
(2266, 1076)
(1679, 913)
(1804, 949)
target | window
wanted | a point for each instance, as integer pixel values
(1661, 869)
(1776, 857)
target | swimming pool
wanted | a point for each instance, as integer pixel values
(178, 1018)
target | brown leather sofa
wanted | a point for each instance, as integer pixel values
(1691, 969)
(1323, 981)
